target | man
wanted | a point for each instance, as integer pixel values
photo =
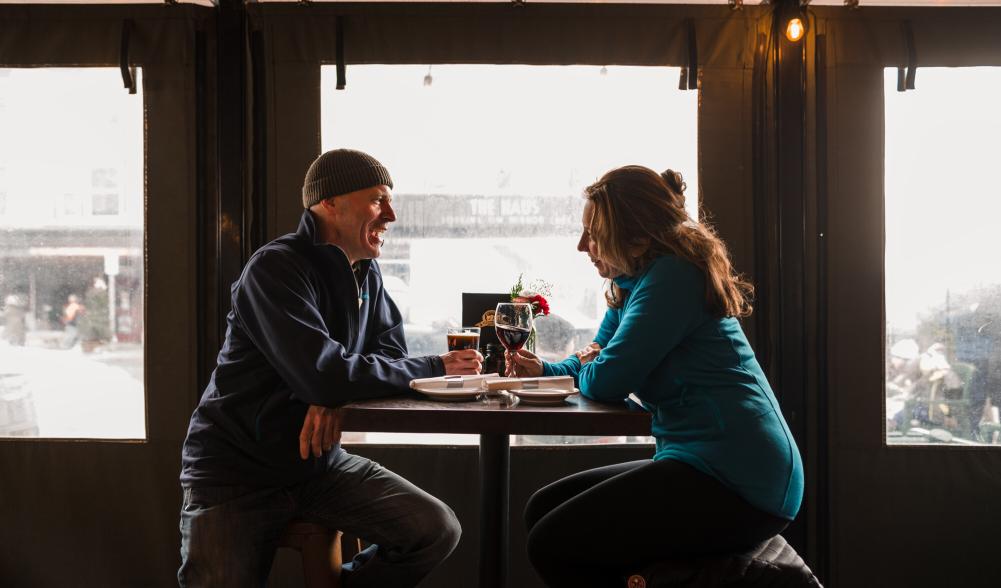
(71, 316)
(311, 328)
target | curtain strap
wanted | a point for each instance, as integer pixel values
(905, 81)
(339, 50)
(128, 75)
(690, 74)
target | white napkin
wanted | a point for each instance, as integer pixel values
(475, 382)
(560, 382)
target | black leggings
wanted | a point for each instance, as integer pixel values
(597, 526)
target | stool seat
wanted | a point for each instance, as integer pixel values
(320, 549)
(771, 564)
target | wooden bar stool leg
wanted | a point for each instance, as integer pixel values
(321, 560)
(320, 550)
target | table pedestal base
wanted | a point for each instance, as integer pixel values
(495, 469)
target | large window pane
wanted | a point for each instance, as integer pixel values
(489, 163)
(71, 254)
(943, 279)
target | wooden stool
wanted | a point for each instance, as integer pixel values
(320, 549)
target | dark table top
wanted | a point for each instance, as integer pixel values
(414, 413)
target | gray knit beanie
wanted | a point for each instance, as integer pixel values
(341, 171)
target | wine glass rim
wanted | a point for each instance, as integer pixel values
(519, 316)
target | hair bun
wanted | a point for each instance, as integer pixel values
(674, 180)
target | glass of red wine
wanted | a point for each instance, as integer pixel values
(513, 322)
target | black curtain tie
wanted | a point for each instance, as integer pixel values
(339, 49)
(128, 75)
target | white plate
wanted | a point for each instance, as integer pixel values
(453, 395)
(551, 396)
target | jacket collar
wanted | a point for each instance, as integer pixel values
(309, 233)
(625, 282)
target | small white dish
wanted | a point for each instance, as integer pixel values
(453, 395)
(544, 396)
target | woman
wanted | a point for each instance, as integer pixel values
(726, 474)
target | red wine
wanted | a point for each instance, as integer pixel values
(512, 338)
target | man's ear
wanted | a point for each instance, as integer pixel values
(328, 207)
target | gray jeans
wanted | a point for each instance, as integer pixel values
(229, 534)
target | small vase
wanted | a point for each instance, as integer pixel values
(530, 343)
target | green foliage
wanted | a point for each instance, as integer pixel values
(517, 288)
(94, 324)
(536, 286)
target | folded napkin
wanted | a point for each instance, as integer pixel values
(452, 382)
(560, 382)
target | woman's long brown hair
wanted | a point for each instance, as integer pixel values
(636, 208)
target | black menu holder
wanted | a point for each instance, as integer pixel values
(478, 311)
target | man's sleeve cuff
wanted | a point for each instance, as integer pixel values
(437, 365)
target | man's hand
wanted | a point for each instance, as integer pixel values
(522, 364)
(462, 363)
(588, 353)
(320, 431)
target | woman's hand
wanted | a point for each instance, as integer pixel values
(588, 353)
(465, 362)
(522, 364)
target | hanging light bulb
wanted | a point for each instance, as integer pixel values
(427, 78)
(795, 29)
(603, 71)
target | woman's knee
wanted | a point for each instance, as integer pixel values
(546, 540)
(539, 505)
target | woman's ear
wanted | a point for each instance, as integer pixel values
(638, 247)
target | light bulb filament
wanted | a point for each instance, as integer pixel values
(795, 29)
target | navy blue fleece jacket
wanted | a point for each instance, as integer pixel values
(305, 328)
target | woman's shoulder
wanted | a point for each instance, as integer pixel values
(674, 268)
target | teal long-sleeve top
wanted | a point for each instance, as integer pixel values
(712, 406)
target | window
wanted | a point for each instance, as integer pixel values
(104, 183)
(943, 280)
(71, 255)
(489, 163)
(3, 185)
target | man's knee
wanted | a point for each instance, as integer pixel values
(452, 528)
(432, 527)
(442, 526)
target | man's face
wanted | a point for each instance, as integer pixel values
(358, 221)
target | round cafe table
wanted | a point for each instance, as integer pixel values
(494, 420)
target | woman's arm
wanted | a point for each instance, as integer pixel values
(664, 308)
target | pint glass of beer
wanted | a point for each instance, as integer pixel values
(463, 338)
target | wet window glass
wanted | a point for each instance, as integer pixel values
(489, 164)
(943, 279)
(71, 254)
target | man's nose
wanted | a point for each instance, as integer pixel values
(388, 213)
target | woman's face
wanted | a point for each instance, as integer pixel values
(588, 245)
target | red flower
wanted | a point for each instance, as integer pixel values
(539, 304)
(542, 304)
